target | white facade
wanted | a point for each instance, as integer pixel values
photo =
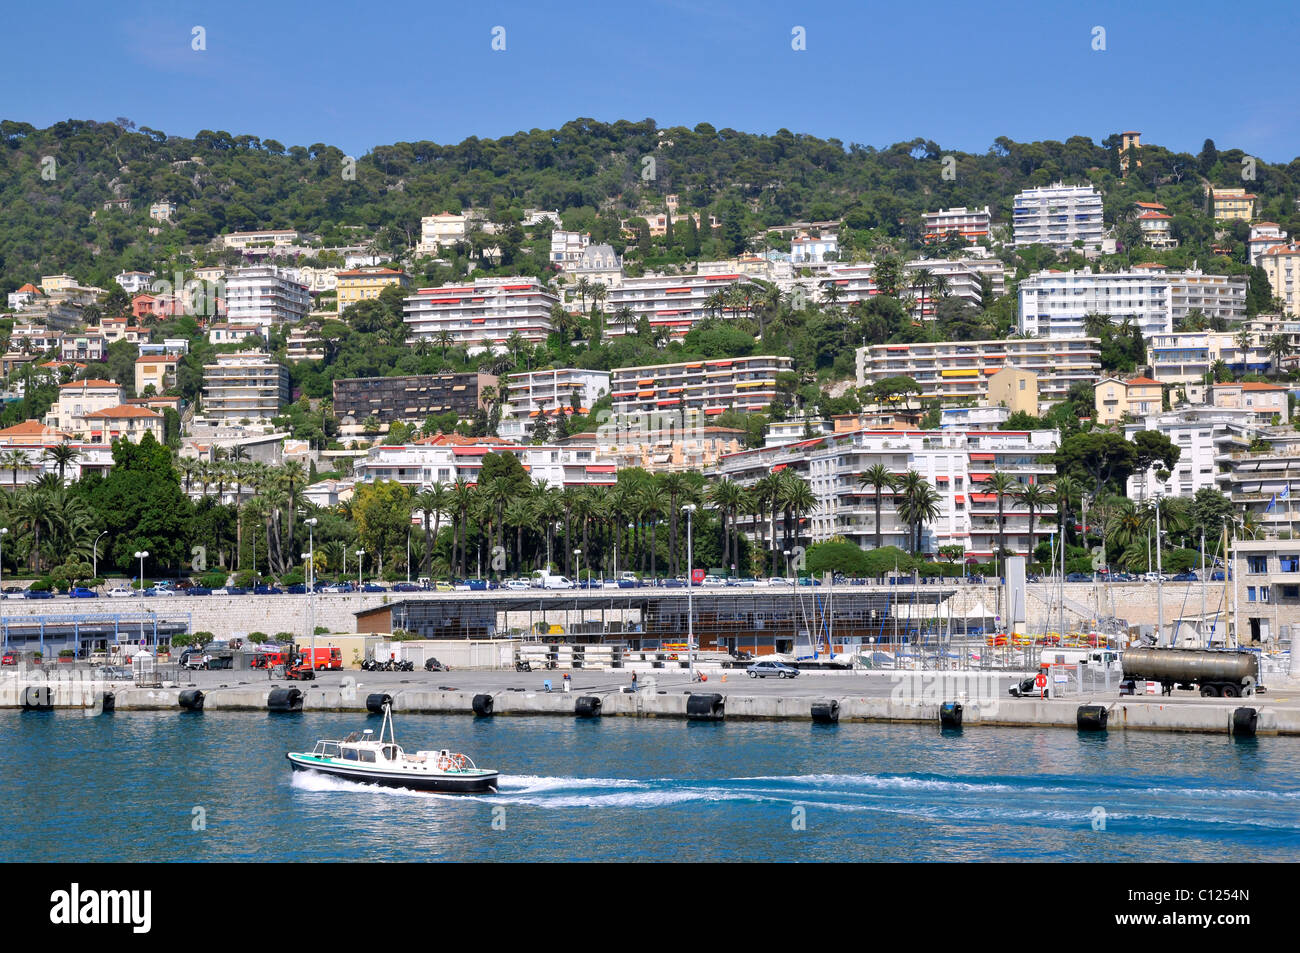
(807, 248)
(533, 393)
(1200, 433)
(567, 248)
(1263, 236)
(1054, 303)
(1186, 357)
(693, 389)
(438, 231)
(482, 316)
(964, 276)
(1058, 216)
(959, 370)
(954, 462)
(439, 460)
(671, 303)
(133, 282)
(243, 385)
(971, 224)
(276, 237)
(265, 296)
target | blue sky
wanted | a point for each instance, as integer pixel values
(357, 75)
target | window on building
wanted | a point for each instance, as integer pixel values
(1257, 564)
(1250, 593)
(1289, 562)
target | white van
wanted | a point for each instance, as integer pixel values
(545, 580)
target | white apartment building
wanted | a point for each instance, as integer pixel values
(964, 277)
(482, 316)
(694, 390)
(952, 371)
(697, 449)
(1263, 236)
(1185, 357)
(440, 231)
(244, 385)
(265, 296)
(1265, 484)
(225, 333)
(971, 224)
(599, 264)
(1054, 303)
(955, 462)
(446, 458)
(277, 237)
(1058, 216)
(133, 282)
(806, 248)
(1201, 434)
(673, 303)
(1155, 221)
(567, 248)
(531, 394)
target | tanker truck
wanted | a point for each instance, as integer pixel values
(1226, 673)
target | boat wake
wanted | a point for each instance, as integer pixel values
(1050, 802)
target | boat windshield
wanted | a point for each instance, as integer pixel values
(327, 749)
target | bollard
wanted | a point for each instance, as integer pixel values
(1091, 717)
(482, 705)
(826, 712)
(38, 698)
(375, 702)
(1244, 722)
(191, 699)
(950, 715)
(711, 707)
(284, 700)
(587, 706)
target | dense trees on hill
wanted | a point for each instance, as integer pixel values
(53, 183)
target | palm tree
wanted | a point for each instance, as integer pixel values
(461, 500)
(767, 493)
(1278, 347)
(797, 499)
(922, 278)
(1064, 492)
(652, 501)
(15, 460)
(433, 503)
(61, 455)
(879, 477)
(1036, 497)
(1001, 485)
(519, 513)
(920, 505)
(675, 486)
(727, 497)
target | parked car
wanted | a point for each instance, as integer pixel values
(674, 583)
(114, 673)
(81, 592)
(373, 587)
(476, 585)
(1217, 575)
(1078, 577)
(771, 667)
(198, 591)
(267, 590)
(517, 585)
(1186, 577)
(338, 587)
(443, 586)
(38, 594)
(297, 589)
(121, 592)
(405, 587)
(159, 591)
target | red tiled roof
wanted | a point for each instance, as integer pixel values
(1141, 380)
(91, 382)
(124, 411)
(29, 288)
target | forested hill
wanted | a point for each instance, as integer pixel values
(224, 182)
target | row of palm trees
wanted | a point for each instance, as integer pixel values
(47, 524)
(641, 517)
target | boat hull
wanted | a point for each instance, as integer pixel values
(478, 782)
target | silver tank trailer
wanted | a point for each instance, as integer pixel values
(1190, 665)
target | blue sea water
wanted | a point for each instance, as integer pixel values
(126, 786)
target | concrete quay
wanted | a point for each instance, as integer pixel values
(842, 697)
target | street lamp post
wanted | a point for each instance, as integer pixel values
(4, 531)
(689, 509)
(359, 553)
(310, 556)
(94, 567)
(577, 575)
(142, 555)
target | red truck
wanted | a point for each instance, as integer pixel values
(324, 658)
